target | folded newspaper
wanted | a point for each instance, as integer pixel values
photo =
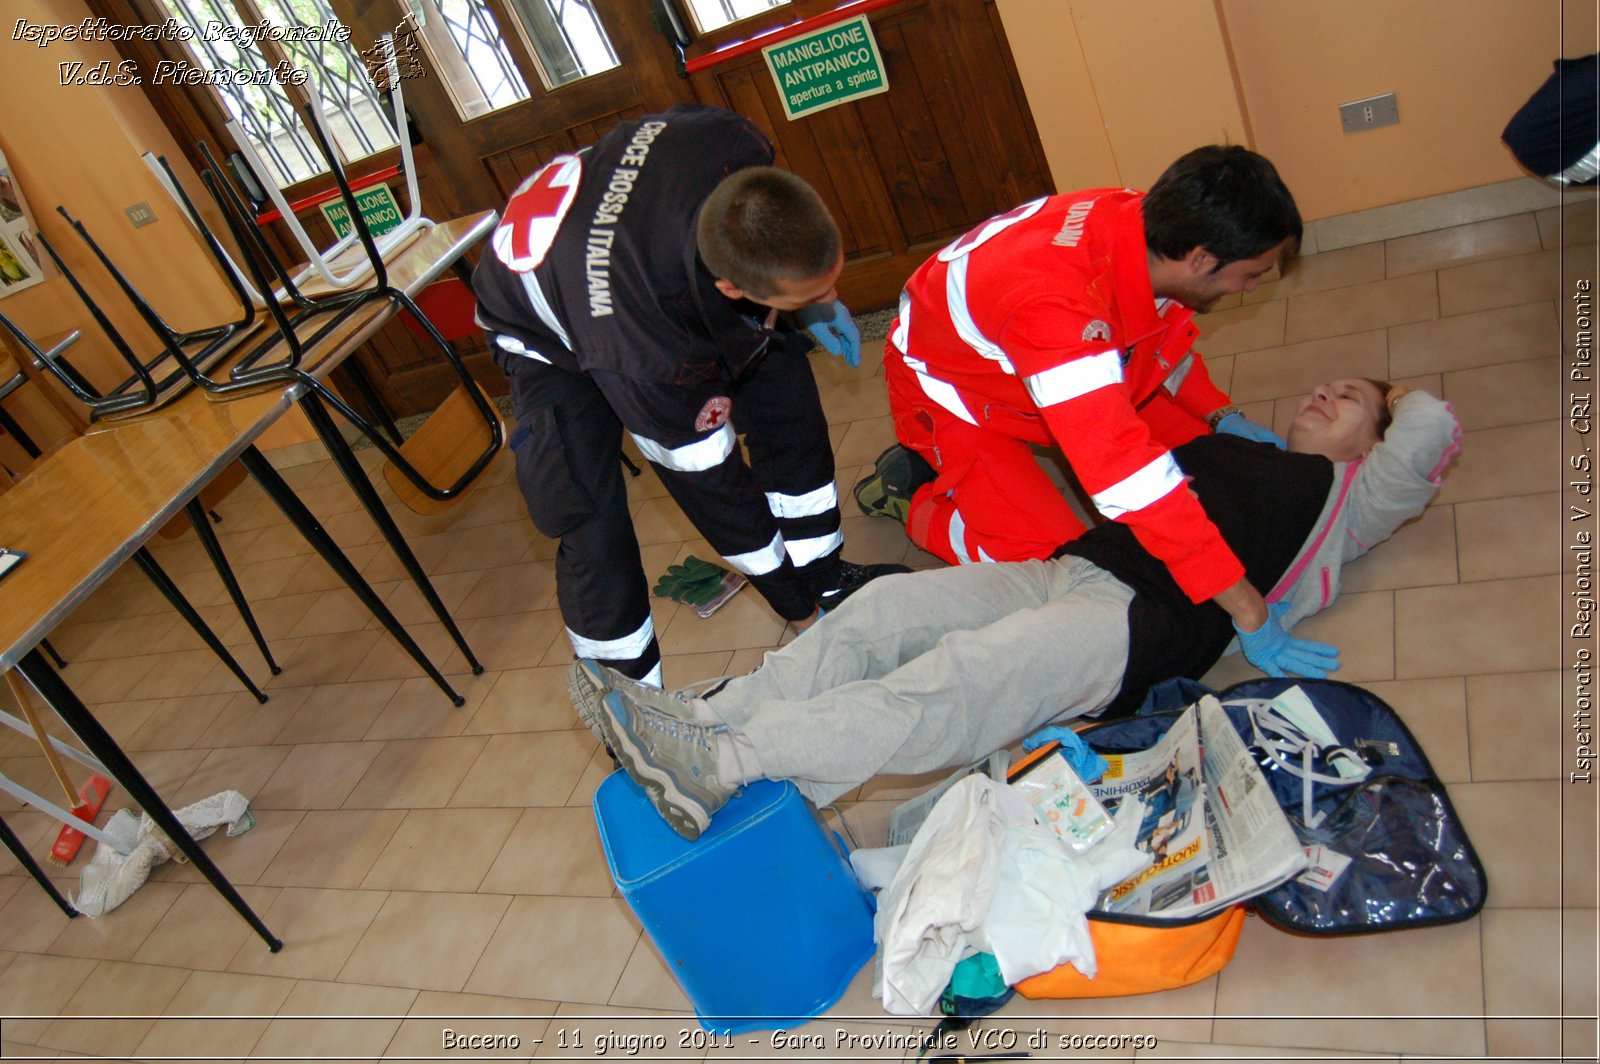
(1211, 825)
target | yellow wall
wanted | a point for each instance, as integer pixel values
(79, 146)
(1119, 88)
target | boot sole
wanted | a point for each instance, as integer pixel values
(675, 807)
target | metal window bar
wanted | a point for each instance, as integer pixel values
(335, 65)
(475, 34)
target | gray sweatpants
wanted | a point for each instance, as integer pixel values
(932, 670)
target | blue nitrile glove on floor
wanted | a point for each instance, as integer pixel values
(1236, 424)
(1089, 765)
(1277, 653)
(834, 329)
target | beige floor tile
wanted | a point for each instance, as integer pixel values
(869, 540)
(388, 660)
(1510, 393)
(442, 850)
(1517, 726)
(177, 723)
(1294, 370)
(319, 928)
(241, 858)
(1319, 272)
(1266, 977)
(201, 930)
(551, 852)
(1436, 713)
(864, 441)
(316, 775)
(338, 712)
(326, 659)
(648, 983)
(1504, 538)
(1506, 334)
(470, 1015)
(479, 548)
(524, 769)
(1573, 223)
(566, 949)
(1504, 462)
(1488, 626)
(1421, 553)
(416, 773)
(1578, 851)
(334, 611)
(1247, 328)
(333, 848)
(510, 589)
(174, 675)
(1522, 960)
(38, 985)
(432, 941)
(1215, 1051)
(1504, 282)
(515, 642)
(277, 617)
(746, 621)
(119, 934)
(357, 1022)
(114, 989)
(419, 710)
(215, 994)
(1516, 234)
(234, 768)
(594, 773)
(659, 520)
(861, 396)
(1361, 307)
(245, 722)
(1518, 831)
(525, 700)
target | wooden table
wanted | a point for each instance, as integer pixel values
(86, 508)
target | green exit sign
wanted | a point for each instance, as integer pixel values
(834, 65)
(378, 209)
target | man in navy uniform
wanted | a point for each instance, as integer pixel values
(641, 285)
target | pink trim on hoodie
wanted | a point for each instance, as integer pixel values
(1436, 474)
(1311, 552)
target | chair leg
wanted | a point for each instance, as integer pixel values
(356, 477)
(164, 584)
(303, 519)
(8, 423)
(57, 658)
(25, 859)
(213, 546)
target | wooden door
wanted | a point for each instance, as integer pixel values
(904, 172)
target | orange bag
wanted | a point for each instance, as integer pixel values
(1138, 955)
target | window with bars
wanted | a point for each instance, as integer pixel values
(714, 14)
(338, 86)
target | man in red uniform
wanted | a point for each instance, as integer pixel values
(1068, 321)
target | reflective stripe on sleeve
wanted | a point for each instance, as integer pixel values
(810, 504)
(759, 562)
(1139, 489)
(626, 648)
(1069, 380)
(517, 347)
(958, 538)
(542, 308)
(903, 325)
(693, 457)
(1585, 169)
(805, 551)
(941, 392)
(1179, 373)
(955, 295)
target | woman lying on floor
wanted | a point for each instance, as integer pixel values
(930, 670)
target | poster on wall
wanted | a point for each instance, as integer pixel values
(21, 262)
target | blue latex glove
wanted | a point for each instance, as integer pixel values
(1089, 765)
(1236, 424)
(1277, 653)
(834, 329)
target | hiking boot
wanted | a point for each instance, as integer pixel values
(899, 472)
(852, 578)
(674, 760)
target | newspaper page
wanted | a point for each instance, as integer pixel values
(909, 815)
(1213, 830)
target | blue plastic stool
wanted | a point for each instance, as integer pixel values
(761, 920)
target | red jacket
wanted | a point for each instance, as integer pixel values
(1041, 324)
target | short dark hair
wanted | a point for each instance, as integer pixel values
(1223, 198)
(761, 225)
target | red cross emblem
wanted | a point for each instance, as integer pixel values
(533, 217)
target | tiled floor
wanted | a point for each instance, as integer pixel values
(426, 864)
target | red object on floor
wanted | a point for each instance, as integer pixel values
(70, 839)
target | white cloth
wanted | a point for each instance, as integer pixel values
(942, 891)
(110, 878)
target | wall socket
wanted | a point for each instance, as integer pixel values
(1371, 113)
(140, 214)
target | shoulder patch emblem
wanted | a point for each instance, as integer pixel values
(714, 414)
(1096, 330)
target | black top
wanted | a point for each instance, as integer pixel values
(1264, 501)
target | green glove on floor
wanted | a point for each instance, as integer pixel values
(692, 580)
